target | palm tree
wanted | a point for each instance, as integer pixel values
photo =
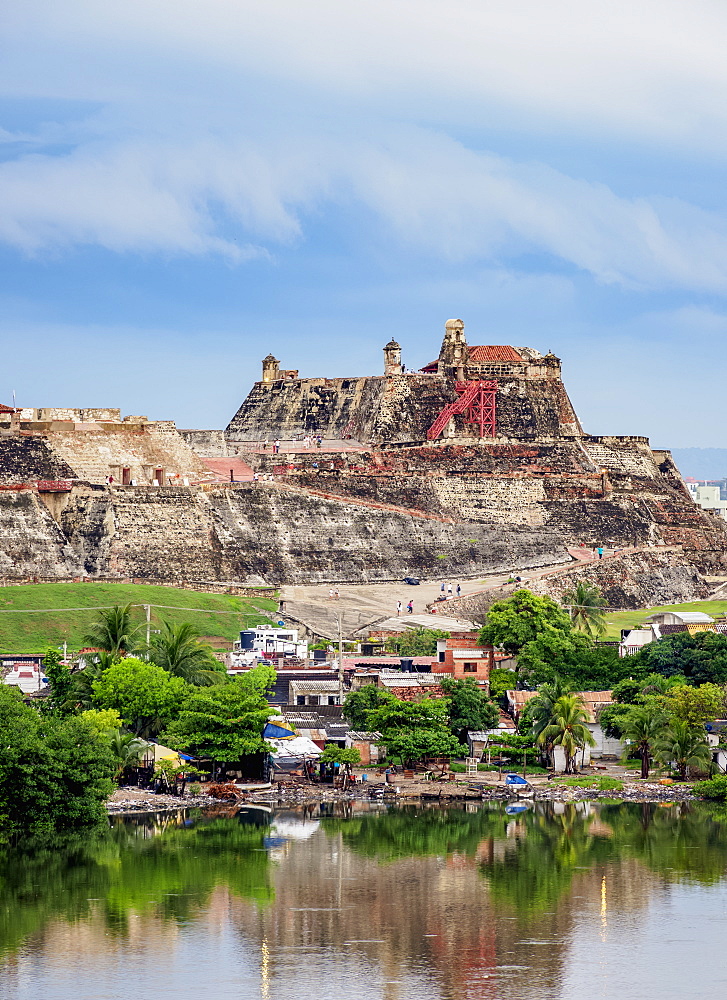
(643, 725)
(114, 632)
(127, 750)
(587, 606)
(567, 728)
(540, 709)
(685, 746)
(177, 649)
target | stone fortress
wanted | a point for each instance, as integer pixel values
(475, 464)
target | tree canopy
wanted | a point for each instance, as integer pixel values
(414, 730)
(701, 657)
(470, 709)
(145, 695)
(224, 722)
(521, 619)
(55, 773)
(357, 704)
(416, 641)
(114, 632)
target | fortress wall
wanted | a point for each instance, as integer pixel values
(261, 532)
(31, 543)
(211, 444)
(395, 410)
(25, 459)
(100, 450)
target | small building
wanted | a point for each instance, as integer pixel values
(696, 618)
(410, 687)
(462, 655)
(367, 746)
(25, 672)
(267, 643)
(594, 702)
(302, 691)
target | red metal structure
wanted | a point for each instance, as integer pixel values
(476, 401)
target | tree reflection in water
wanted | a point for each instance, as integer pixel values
(167, 864)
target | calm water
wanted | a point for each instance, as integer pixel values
(558, 901)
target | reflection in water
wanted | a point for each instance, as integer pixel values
(379, 904)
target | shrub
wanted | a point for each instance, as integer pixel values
(195, 789)
(715, 788)
(599, 784)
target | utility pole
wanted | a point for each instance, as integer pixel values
(340, 659)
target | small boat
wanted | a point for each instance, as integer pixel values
(519, 785)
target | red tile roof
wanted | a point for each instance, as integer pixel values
(479, 355)
(6, 409)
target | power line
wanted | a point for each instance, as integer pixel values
(108, 607)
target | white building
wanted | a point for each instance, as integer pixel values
(708, 498)
(265, 643)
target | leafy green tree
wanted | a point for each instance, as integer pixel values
(469, 707)
(103, 720)
(177, 649)
(82, 694)
(501, 680)
(333, 754)
(701, 657)
(414, 746)
(224, 722)
(414, 730)
(55, 773)
(694, 705)
(522, 618)
(644, 725)
(114, 632)
(586, 606)
(416, 642)
(572, 656)
(567, 729)
(60, 680)
(684, 746)
(357, 704)
(146, 696)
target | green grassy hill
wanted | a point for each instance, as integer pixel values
(33, 633)
(630, 619)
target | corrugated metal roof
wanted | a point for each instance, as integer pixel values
(497, 353)
(363, 737)
(303, 687)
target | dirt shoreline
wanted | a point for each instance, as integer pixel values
(134, 801)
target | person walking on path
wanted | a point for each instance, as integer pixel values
(319, 441)
(398, 608)
(600, 552)
(449, 589)
(443, 586)
(410, 607)
(336, 593)
(266, 442)
(276, 446)
(459, 590)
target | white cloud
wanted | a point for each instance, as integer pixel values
(226, 124)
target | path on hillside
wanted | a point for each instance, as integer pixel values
(378, 600)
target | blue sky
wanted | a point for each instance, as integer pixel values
(185, 187)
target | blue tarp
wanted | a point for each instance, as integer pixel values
(278, 731)
(515, 779)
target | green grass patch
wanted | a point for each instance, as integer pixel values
(600, 784)
(33, 633)
(617, 620)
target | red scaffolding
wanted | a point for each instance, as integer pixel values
(477, 403)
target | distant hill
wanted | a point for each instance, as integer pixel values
(701, 463)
